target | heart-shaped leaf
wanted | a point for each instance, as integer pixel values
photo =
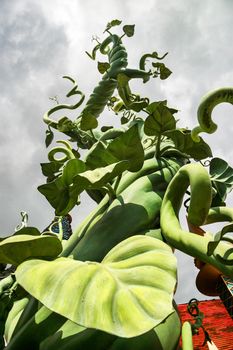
(49, 137)
(127, 146)
(138, 275)
(184, 143)
(16, 249)
(88, 121)
(159, 120)
(129, 30)
(103, 67)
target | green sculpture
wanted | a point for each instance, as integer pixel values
(111, 284)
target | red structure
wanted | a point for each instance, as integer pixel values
(217, 323)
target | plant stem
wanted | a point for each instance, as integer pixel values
(157, 149)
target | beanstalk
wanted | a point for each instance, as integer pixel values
(112, 283)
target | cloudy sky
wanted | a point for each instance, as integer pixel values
(42, 40)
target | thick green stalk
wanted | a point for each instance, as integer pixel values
(135, 209)
(197, 177)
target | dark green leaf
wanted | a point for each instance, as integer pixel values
(129, 30)
(184, 143)
(113, 23)
(49, 137)
(159, 120)
(139, 278)
(128, 146)
(50, 169)
(164, 72)
(222, 176)
(103, 67)
(99, 156)
(88, 122)
(58, 196)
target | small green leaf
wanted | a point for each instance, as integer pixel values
(49, 137)
(103, 67)
(184, 143)
(159, 120)
(129, 30)
(16, 249)
(88, 122)
(113, 23)
(138, 275)
(163, 71)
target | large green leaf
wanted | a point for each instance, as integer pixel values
(127, 146)
(221, 175)
(127, 294)
(184, 143)
(98, 178)
(160, 119)
(63, 193)
(16, 249)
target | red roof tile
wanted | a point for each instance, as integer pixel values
(217, 322)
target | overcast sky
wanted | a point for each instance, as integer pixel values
(42, 40)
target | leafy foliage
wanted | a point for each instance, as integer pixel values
(222, 177)
(138, 275)
(132, 172)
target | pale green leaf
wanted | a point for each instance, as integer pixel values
(138, 275)
(16, 249)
